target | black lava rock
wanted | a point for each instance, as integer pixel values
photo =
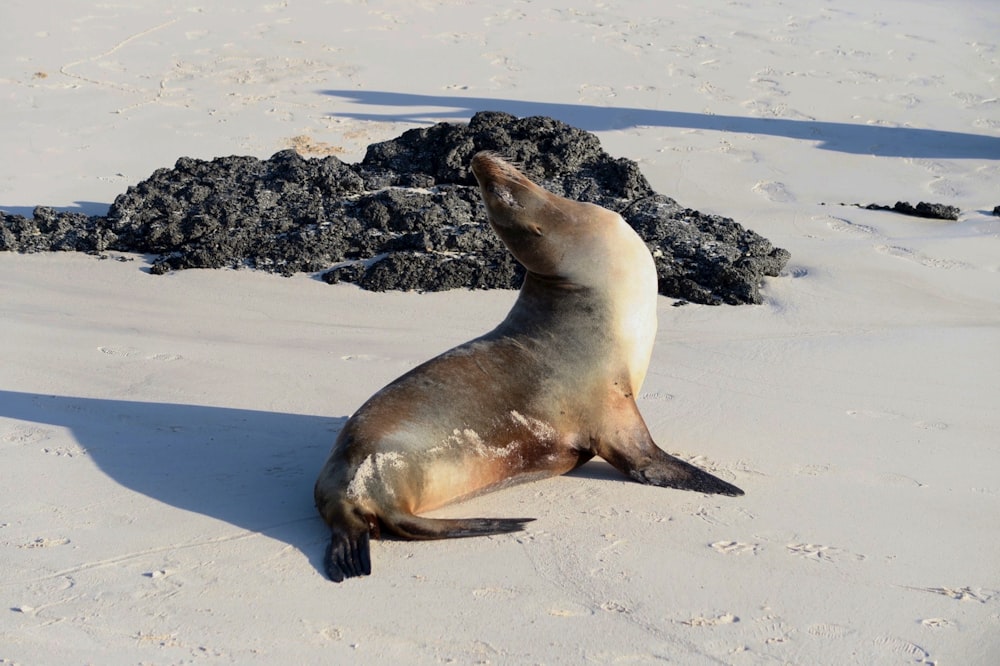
(934, 211)
(408, 216)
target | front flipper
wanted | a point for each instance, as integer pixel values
(632, 450)
(348, 554)
(667, 471)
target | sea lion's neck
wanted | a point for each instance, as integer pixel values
(558, 304)
(590, 323)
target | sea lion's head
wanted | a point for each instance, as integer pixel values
(554, 237)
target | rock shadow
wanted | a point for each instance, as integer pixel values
(851, 138)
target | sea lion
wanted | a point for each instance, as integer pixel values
(549, 388)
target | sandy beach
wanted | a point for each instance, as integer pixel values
(160, 435)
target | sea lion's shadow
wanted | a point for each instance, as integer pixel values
(252, 469)
(597, 470)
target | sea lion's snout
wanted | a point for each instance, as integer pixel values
(505, 190)
(498, 177)
(488, 166)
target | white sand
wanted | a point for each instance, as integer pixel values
(159, 436)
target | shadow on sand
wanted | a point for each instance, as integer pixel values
(842, 137)
(89, 208)
(252, 469)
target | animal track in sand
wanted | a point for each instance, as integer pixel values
(65, 451)
(819, 553)
(707, 516)
(978, 595)
(937, 623)
(735, 548)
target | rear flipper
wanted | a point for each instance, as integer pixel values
(410, 526)
(348, 554)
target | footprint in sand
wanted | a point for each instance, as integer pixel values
(820, 553)
(656, 396)
(845, 226)
(112, 350)
(615, 607)
(773, 191)
(772, 630)
(570, 609)
(735, 548)
(164, 357)
(919, 257)
(359, 357)
(42, 542)
(495, 593)
(26, 435)
(918, 423)
(828, 630)
(858, 230)
(903, 648)
(131, 352)
(711, 621)
(873, 414)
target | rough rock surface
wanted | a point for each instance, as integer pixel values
(934, 211)
(408, 216)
